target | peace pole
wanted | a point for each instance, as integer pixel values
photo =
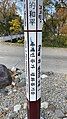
(33, 11)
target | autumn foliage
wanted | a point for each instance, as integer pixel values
(10, 21)
(15, 25)
(62, 16)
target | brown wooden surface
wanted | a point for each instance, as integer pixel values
(33, 109)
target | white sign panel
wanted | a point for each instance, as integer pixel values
(32, 60)
(32, 14)
(33, 44)
(40, 14)
(39, 52)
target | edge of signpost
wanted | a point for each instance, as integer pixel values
(27, 118)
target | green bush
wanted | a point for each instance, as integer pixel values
(55, 41)
(21, 41)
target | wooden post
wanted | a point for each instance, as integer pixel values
(33, 12)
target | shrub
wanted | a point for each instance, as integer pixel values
(55, 41)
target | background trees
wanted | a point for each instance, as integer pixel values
(55, 23)
(15, 26)
(8, 14)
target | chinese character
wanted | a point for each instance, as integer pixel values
(32, 60)
(32, 4)
(32, 43)
(32, 93)
(38, 71)
(40, 13)
(32, 84)
(32, 13)
(32, 66)
(25, 18)
(32, 50)
(33, 89)
(39, 47)
(32, 55)
(40, 7)
(39, 61)
(32, 21)
(38, 53)
(40, 17)
(32, 79)
(33, 74)
(38, 83)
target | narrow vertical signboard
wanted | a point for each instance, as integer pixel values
(33, 43)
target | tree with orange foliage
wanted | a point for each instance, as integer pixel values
(62, 16)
